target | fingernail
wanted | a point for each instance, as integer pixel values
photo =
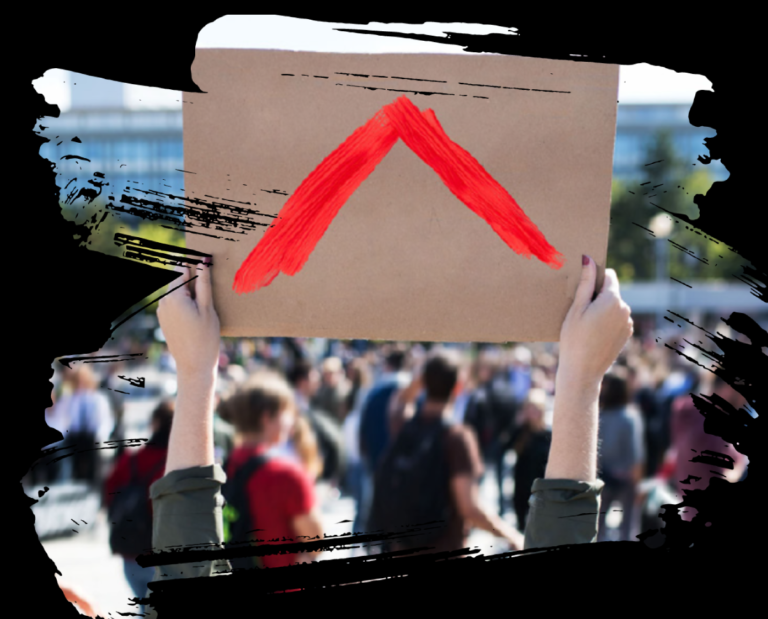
(207, 260)
(584, 259)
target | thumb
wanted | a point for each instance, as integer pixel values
(586, 287)
(610, 283)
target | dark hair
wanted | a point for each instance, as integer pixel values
(614, 392)
(299, 372)
(395, 360)
(162, 418)
(440, 374)
(265, 393)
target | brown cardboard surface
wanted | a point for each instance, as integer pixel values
(404, 259)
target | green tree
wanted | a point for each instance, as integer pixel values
(101, 226)
(664, 183)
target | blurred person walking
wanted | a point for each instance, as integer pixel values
(520, 372)
(331, 394)
(86, 415)
(374, 427)
(530, 441)
(264, 489)
(679, 380)
(621, 455)
(359, 376)
(491, 411)
(644, 397)
(305, 380)
(431, 471)
(126, 492)
(690, 438)
(110, 384)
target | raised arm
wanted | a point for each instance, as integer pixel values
(191, 329)
(186, 501)
(592, 336)
(565, 503)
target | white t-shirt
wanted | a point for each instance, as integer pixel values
(83, 410)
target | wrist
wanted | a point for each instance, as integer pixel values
(197, 375)
(578, 382)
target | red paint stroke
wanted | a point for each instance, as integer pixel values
(287, 244)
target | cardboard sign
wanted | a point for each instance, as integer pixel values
(411, 197)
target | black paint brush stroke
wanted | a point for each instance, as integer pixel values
(66, 361)
(75, 305)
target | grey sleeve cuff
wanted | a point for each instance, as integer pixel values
(186, 507)
(562, 511)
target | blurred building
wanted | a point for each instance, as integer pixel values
(636, 126)
(140, 147)
(144, 147)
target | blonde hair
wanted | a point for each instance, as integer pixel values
(538, 398)
(305, 443)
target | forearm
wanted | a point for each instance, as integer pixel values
(573, 452)
(191, 439)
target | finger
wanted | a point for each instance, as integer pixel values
(586, 285)
(191, 285)
(610, 284)
(204, 292)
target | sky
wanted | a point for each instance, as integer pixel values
(641, 83)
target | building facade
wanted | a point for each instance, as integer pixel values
(145, 147)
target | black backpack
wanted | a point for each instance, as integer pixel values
(502, 406)
(237, 516)
(412, 484)
(491, 413)
(130, 514)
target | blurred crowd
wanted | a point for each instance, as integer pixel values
(342, 426)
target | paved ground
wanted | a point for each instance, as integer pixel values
(86, 563)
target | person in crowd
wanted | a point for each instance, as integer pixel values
(643, 396)
(564, 504)
(359, 375)
(303, 446)
(141, 467)
(331, 393)
(530, 441)
(621, 455)
(111, 386)
(223, 430)
(491, 412)
(280, 492)
(689, 438)
(85, 414)
(676, 378)
(374, 426)
(520, 372)
(477, 413)
(446, 477)
(359, 378)
(305, 380)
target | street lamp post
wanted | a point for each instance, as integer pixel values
(661, 226)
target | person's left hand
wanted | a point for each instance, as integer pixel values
(190, 323)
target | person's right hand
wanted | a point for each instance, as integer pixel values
(190, 323)
(594, 332)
